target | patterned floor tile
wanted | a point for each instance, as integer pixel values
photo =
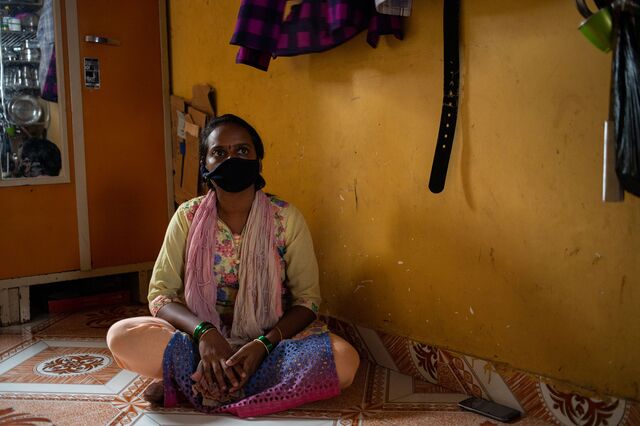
(491, 382)
(463, 374)
(130, 401)
(8, 341)
(63, 366)
(414, 358)
(441, 419)
(570, 409)
(376, 347)
(94, 323)
(348, 332)
(390, 390)
(59, 371)
(42, 412)
(158, 419)
(406, 389)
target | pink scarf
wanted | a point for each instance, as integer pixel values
(258, 305)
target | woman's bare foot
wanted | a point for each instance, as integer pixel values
(154, 393)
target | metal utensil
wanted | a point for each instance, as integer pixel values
(25, 110)
(30, 51)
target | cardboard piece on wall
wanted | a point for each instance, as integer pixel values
(203, 98)
(177, 106)
(199, 117)
(190, 116)
(190, 128)
(187, 163)
(178, 195)
(191, 170)
(181, 120)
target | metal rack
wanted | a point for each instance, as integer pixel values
(9, 40)
(23, 5)
(15, 38)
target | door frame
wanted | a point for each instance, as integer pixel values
(75, 83)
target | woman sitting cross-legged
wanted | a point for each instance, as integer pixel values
(234, 296)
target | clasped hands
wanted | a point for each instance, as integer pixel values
(221, 372)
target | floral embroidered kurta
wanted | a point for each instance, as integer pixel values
(295, 248)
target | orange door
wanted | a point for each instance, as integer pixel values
(124, 133)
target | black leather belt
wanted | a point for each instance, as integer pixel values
(449, 115)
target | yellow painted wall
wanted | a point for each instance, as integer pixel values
(518, 260)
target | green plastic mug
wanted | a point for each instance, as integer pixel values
(597, 29)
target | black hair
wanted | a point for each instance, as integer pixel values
(230, 119)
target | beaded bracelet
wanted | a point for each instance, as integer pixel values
(201, 329)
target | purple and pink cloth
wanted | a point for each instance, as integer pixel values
(311, 26)
(296, 372)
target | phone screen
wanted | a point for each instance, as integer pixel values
(490, 409)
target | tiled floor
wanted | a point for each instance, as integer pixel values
(59, 371)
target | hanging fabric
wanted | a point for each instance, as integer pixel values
(449, 114)
(311, 26)
(46, 40)
(626, 92)
(394, 7)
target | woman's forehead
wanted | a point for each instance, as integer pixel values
(229, 134)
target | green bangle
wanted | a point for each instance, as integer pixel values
(267, 343)
(201, 329)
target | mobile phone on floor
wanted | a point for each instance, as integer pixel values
(490, 409)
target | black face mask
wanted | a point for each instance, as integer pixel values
(234, 174)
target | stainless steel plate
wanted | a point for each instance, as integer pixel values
(25, 110)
